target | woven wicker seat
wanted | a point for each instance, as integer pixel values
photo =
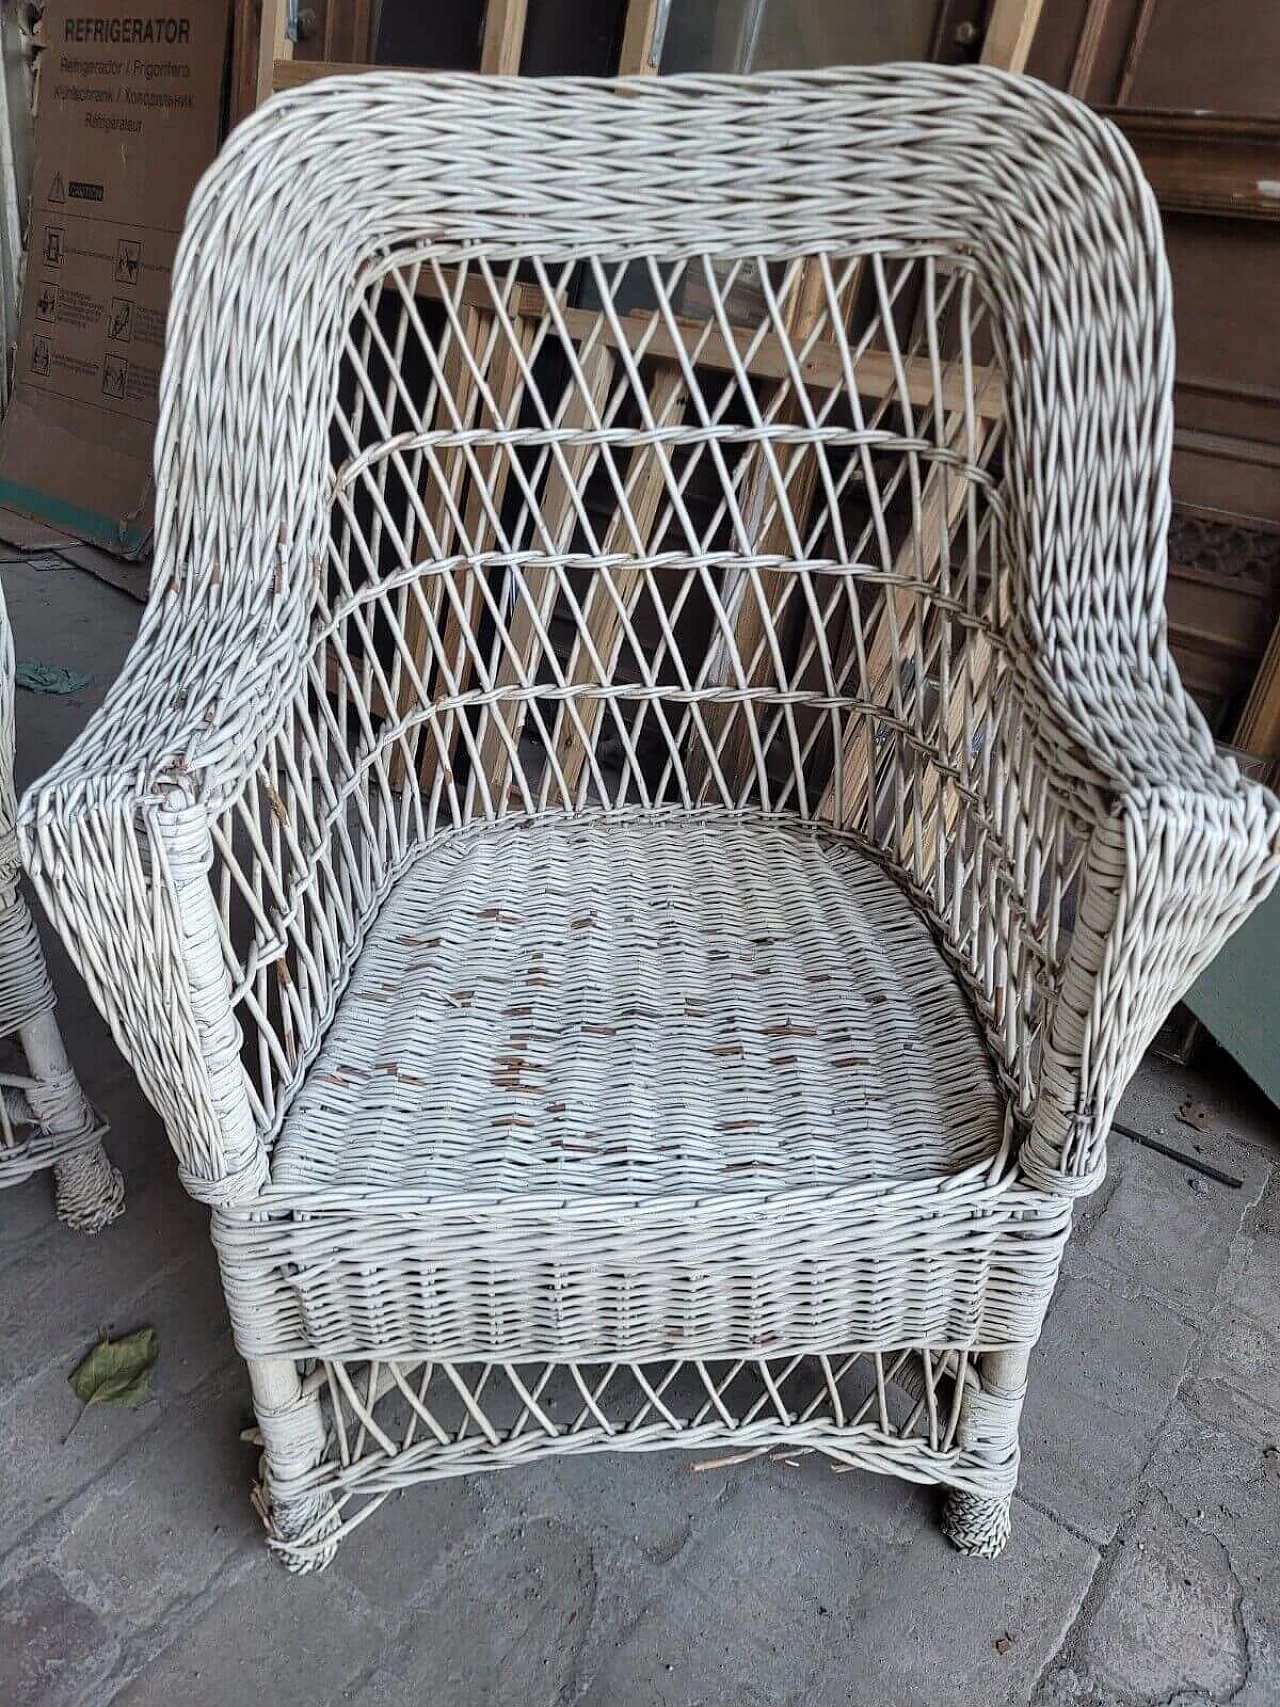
(650, 817)
(593, 1009)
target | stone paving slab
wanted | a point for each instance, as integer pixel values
(52, 1646)
(933, 1629)
(1167, 1619)
(1101, 1384)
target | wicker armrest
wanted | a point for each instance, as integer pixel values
(116, 839)
(1183, 849)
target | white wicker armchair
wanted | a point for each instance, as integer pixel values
(45, 1119)
(636, 850)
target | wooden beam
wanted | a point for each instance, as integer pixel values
(942, 507)
(348, 27)
(1258, 730)
(1085, 60)
(755, 624)
(442, 497)
(641, 51)
(505, 382)
(821, 368)
(517, 653)
(645, 488)
(503, 40)
(1011, 30)
(1207, 162)
(294, 73)
(274, 44)
(243, 94)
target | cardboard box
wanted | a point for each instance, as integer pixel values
(129, 115)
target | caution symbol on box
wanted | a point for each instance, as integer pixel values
(47, 300)
(114, 372)
(40, 355)
(128, 261)
(57, 189)
(120, 320)
(53, 246)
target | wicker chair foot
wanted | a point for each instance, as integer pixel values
(88, 1190)
(303, 1532)
(975, 1524)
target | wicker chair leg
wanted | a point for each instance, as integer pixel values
(88, 1190)
(975, 1524)
(978, 1522)
(302, 1523)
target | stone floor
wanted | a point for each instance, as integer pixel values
(1143, 1566)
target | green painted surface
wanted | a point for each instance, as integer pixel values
(72, 518)
(1238, 997)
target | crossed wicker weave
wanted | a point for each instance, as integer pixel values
(650, 817)
(45, 1120)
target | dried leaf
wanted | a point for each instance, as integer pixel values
(117, 1372)
(38, 677)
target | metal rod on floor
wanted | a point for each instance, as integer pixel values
(1201, 1167)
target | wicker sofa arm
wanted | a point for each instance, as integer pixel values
(1183, 849)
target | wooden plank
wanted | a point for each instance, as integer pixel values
(641, 50)
(1258, 730)
(942, 507)
(348, 28)
(503, 40)
(645, 488)
(458, 386)
(273, 44)
(243, 94)
(294, 73)
(752, 629)
(517, 660)
(1207, 163)
(1137, 45)
(505, 382)
(822, 367)
(1011, 30)
(1085, 61)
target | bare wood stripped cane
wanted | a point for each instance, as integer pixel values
(543, 1118)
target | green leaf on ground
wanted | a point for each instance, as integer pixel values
(38, 677)
(117, 1372)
